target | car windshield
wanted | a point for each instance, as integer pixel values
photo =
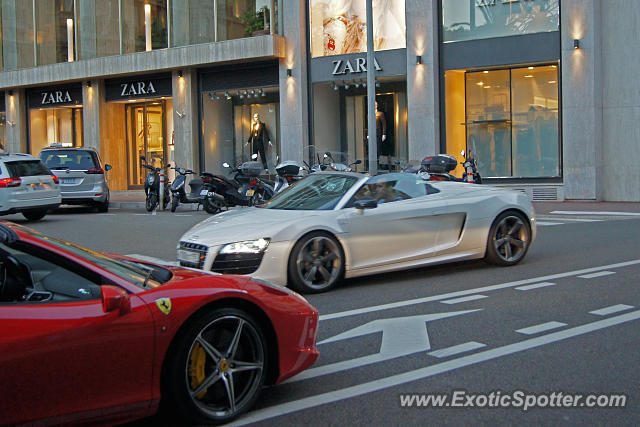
(69, 159)
(131, 272)
(315, 192)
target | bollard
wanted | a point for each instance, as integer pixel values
(161, 204)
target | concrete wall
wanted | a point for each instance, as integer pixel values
(620, 26)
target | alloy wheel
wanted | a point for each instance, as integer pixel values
(225, 366)
(319, 263)
(511, 239)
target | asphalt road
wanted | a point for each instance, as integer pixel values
(564, 320)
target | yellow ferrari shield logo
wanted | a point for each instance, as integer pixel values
(164, 305)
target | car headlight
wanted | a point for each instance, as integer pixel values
(245, 247)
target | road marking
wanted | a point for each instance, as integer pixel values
(595, 213)
(153, 259)
(183, 215)
(401, 336)
(490, 288)
(535, 286)
(579, 220)
(543, 327)
(429, 371)
(611, 309)
(543, 223)
(463, 299)
(106, 214)
(599, 274)
(456, 349)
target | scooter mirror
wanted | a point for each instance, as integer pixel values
(462, 153)
(326, 155)
(254, 156)
(226, 165)
(143, 158)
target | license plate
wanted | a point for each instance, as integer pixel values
(188, 256)
(204, 193)
(250, 192)
(68, 181)
(38, 186)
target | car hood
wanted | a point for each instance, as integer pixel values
(245, 224)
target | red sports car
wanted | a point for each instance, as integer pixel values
(86, 337)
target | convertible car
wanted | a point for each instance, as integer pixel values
(89, 338)
(332, 225)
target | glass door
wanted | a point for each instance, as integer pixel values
(145, 137)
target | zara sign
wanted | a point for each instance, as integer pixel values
(139, 87)
(49, 97)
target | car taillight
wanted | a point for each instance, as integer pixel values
(206, 179)
(95, 171)
(10, 182)
(55, 179)
(290, 178)
(253, 182)
(436, 178)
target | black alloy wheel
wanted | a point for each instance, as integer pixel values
(217, 367)
(316, 263)
(509, 239)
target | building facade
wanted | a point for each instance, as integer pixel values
(538, 90)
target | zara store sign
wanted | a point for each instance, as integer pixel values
(353, 66)
(153, 86)
(49, 97)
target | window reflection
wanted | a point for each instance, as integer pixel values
(134, 26)
(53, 37)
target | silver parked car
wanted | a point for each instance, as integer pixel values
(82, 179)
(27, 186)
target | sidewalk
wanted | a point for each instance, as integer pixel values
(135, 200)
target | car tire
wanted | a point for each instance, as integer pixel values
(316, 263)
(509, 239)
(211, 206)
(204, 353)
(174, 204)
(151, 202)
(34, 215)
(104, 206)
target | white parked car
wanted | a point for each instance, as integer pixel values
(27, 186)
(332, 225)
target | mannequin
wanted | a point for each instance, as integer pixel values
(259, 138)
(381, 135)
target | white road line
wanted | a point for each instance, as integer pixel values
(595, 213)
(579, 220)
(490, 288)
(153, 259)
(611, 309)
(429, 371)
(543, 327)
(456, 349)
(535, 286)
(594, 275)
(106, 214)
(544, 223)
(183, 215)
(463, 299)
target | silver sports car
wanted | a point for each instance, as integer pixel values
(332, 225)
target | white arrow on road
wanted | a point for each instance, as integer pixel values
(401, 336)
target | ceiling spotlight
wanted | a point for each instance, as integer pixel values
(356, 85)
(255, 95)
(244, 92)
(241, 96)
(217, 96)
(335, 86)
(364, 84)
(251, 91)
(264, 93)
(211, 97)
(377, 84)
(346, 86)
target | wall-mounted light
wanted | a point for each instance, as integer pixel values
(179, 74)
(576, 43)
(335, 87)
(289, 72)
(147, 27)
(10, 92)
(70, 40)
(89, 83)
(346, 86)
(419, 59)
(377, 83)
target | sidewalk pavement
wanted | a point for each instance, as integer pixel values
(134, 199)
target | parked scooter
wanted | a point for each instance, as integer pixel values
(437, 168)
(328, 163)
(152, 187)
(288, 172)
(201, 191)
(244, 187)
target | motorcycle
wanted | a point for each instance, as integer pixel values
(437, 168)
(152, 186)
(328, 163)
(201, 191)
(244, 187)
(288, 172)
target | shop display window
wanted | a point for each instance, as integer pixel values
(481, 19)
(239, 123)
(54, 125)
(340, 124)
(508, 119)
(340, 26)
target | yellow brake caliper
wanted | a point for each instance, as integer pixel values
(197, 362)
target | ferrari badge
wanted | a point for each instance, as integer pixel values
(164, 305)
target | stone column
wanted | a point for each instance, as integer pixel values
(422, 79)
(581, 99)
(16, 124)
(91, 113)
(185, 119)
(294, 106)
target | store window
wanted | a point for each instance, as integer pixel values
(340, 124)
(481, 19)
(339, 26)
(55, 26)
(55, 125)
(508, 119)
(144, 25)
(239, 123)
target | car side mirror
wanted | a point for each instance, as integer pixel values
(368, 203)
(143, 158)
(115, 298)
(107, 167)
